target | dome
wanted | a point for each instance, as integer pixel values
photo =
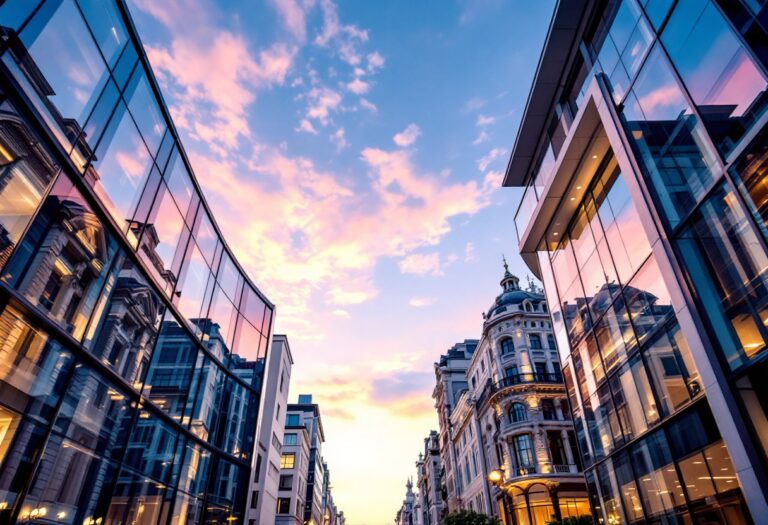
(511, 294)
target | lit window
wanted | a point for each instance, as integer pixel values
(288, 460)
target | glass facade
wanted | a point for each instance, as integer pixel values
(132, 343)
(688, 84)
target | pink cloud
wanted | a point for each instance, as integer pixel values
(358, 86)
(408, 136)
(293, 17)
(421, 264)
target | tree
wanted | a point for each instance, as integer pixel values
(468, 517)
(581, 520)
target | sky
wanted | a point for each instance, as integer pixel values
(352, 154)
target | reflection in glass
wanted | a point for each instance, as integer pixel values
(648, 299)
(750, 172)
(126, 321)
(610, 493)
(138, 500)
(20, 444)
(63, 259)
(237, 410)
(34, 369)
(206, 402)
(227, 485)
(614, 335)
(669, 140)
(171, 371)
(179, 182)
(220, 324)
(206, 236)
(145, 111)
(628, 488)
(151, 447)
(728, 268)
(26, 170)
(194, 471)
(723, 80)
(192, 286)
(106, 24)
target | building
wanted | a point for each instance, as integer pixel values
(512, 416)
(301, 491)
(450, 382)
(429, 499)
(132, 344)
(642, 155)
(262, 501)
(406, 514)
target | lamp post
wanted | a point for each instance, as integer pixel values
(496, 478)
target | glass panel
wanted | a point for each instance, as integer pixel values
(34, 369)
(206, 236)
(657, 11)
(121, 167)
(13, 13)
(238, 413)
(150, 450)
(648, 299)
(186, 509)
(171, 370)
(575, 312)
(602, 423)
(97, 123)
(63, 259)
(138, 500)
(253, 307)
(669, 140)
(72, 483)
(20, 445)
(229, 278)
(750, 172)
(179, 182)
(614, 335)
(26, 170)
(728, 268)
(717, 69)
(610, 494)
(107, 26)
(524, 212)
(163, 239)
(248, 341)
(143, 106)
(207, 400)
(95, 414)
(634, 401)
(63, 64)
(194, 471)
(227, 484)
(671, 368)
(628, 487)
(220, 325)
(127, 320)
(191, 290)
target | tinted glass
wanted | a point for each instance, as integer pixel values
(206, 403)
(21, 442)
(63, 260)
(151, 447)
(145, 111)
(192, 286)
(107, 26)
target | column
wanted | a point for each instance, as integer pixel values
(567, 447)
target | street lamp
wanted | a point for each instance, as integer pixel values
(496, 478)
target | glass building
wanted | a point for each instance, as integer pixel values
(642, 157)
(132, 344)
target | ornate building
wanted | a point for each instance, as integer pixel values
(512, 417)
(428, 489)
(406, 514)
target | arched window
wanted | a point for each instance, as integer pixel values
(544, 307)
(507, 346)
(517, 412)
(528, 307)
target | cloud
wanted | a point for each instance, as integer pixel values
(306, 127)
(322, 101)
(358, 86)
(483, 121)
(375, 61)
(404, 392)
(473, 104)
(344, 38)
(370, 106)
(421, 264)
(482, 137)
(469, 252)
(418, 302)
(339, 138)
(408, 136)
(293, 17)
(492, 155)
(338, 312)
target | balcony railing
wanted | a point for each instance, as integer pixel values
(520, 379)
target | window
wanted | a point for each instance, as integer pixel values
(534, 341)
(290, 439)
(517, 412)
(283, 505)
(286, 482)
(728, 269)
(277, 412)
(287, 460)
(551, 342)
(507, 346)
(292, 420)
(523, 451)
(254, 499)
(556, 448)
(276, 442)
(541, 370)
(548, 410)
(511, 372)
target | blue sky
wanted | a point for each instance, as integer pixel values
(352, 154)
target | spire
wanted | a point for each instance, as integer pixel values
(509, 281)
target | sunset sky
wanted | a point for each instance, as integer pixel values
(352, 154)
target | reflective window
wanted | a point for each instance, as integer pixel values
(237, 410)
(13, 13)
(107, 27)
(121, 167)
(717, 69)
(63, 259)
(669, 140)
(194, 470)
(517, 412)
(728, 268)
(648, 299)
(227, 483)
(163, 239)
(21, 442)
(126, 322)
(171, 371)
(614, 335)
(749, 172)
(151, 447)
(186, 509)
(137, 499)
(206, 403)
(220, 324)
(253, 307)
(628, 487)
(95, 414)
(144, 109)
(34, 369)
(192, 286)
(249, 343)
(26, 170)
(657, 480)
(610, 493)
(206, 236)
(672, 369)
(60, 48)
(602, 423)
(631, 37)
(179, 182)
(523, 446)
(632, 394)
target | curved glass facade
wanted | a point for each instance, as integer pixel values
(132, 343)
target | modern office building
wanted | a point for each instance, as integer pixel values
(514, 418)
(132, 344)
(642, 154)
(262, 500)
(450, 382)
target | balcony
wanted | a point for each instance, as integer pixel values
(522, 379)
